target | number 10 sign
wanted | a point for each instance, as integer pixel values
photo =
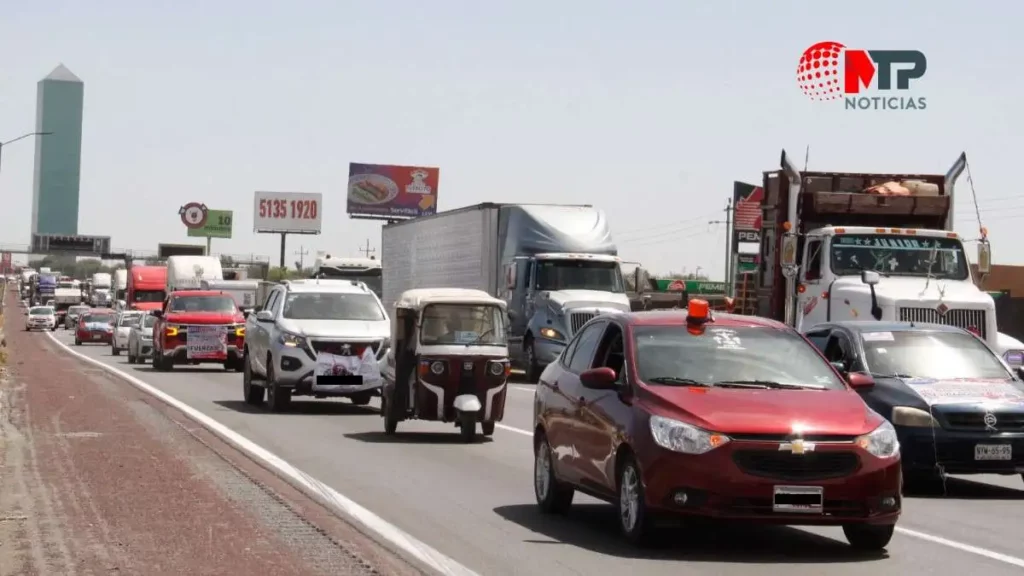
(288, 212)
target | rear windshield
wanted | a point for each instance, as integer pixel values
(945, 355)
(666, 354)
(98, 319)
(219, 303)
(41, 311)
(130, 319)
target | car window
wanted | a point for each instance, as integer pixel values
(129, 320)
(924, 354)
(586, 347)
(97, 319)
(819, 338)
(837, 348)
(670, 355)
(272, 301)
(610, 353)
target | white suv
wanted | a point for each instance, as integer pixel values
(318, 337)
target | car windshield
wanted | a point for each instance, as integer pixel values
(214, 303)
(333, 306)
(897, 255)
(148, 321)
(482, 324)
(41, 311)
(579, 275)
(98, 319)
(129, 320)
(924, 354)
(149, 295)
(671, 355)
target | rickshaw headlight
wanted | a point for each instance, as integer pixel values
(496, 368)
(437, 368)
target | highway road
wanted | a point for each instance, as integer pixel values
(475, 503)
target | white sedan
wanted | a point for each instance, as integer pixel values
(41, 318)
(122, 330)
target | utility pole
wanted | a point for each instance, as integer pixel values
(367, 251)
(22, 137)
(301, 253)
(730, 279)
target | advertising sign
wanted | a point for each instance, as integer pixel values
(291, 212)
(216, 225)
(392, 192)
(206, 342)
(746, 199)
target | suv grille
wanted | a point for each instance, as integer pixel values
(578, 319)
(959, 317)
(796, 467)
(975, 421)
(341, 348)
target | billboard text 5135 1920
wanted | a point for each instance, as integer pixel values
(863, 79)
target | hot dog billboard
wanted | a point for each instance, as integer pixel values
(392, 192)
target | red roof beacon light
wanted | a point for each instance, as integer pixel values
(698, 313)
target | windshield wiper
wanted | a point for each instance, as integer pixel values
(480, 338)
(766, 384)
(672, 380)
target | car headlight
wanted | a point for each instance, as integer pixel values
(882, 442)
(1015, 358)
(681, 437)
(912, 417)
(292, 340)
(551, 334)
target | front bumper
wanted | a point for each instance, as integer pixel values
(716, 487)
(547, 351)
(954, 451)
(41, 325)
(293, 368)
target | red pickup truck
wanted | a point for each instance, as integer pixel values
(198, 326)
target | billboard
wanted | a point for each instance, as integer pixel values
(216, 225)
(746, 201)
(167, 250)
(71, 245)
(288, 212)
(388, 192)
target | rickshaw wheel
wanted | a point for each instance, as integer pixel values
(467, 428)
(487, 428)
(390, 420)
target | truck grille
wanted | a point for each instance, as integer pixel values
(796, 467)
(959, 317)
(578, 319)
(338, 348)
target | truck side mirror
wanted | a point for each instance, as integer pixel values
(870, 277)
(640, 280)
(984, 257)
(510, 275)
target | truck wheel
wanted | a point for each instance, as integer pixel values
(253, 393)
(78, 342)
(533, 370)
(277, 397)
(115, 351)
(390, 417)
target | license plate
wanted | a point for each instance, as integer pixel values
(799, 499)
(97, 336)
(993, 452)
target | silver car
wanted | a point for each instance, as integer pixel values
(122, 326)
(74, 313)
(309, 329)
(140, 340)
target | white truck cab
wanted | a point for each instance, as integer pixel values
(922, 276)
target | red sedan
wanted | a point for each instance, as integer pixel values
(96, 326)
(729, 417)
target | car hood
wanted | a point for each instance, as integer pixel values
(337, 328)
(770, 412)
(966, 391)
(201, 318)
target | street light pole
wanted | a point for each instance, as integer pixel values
(22, 137)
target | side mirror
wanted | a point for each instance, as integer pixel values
(984, 257)
(264, 316)
(839, 366)
(641, 280)
(860, 381)
(158, 313)
(246, 312)
(870, 277)
(598, 378)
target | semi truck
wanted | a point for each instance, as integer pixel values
(243, 291)
(366, 270)
(147, 287)
(556, 266)
(840, 246)
(121, 285)
(67, 294)
(44, 286)
(99, 290)
(189, 272)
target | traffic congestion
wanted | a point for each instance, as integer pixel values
(439, 400)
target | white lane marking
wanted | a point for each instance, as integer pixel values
(341, 505)
(416, 546)
(990, 554)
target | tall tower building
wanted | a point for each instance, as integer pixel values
(58, 165)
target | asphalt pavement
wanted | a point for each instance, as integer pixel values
(475, 502)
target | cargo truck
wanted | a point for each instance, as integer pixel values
(44, 286)
(556, 266)
(836, 246)
(67, 294)
(99, 290)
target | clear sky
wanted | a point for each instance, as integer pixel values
(647, 109)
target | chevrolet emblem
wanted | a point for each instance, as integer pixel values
(797, 446)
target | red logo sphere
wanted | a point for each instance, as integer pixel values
(818, 72)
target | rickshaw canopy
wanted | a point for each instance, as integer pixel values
(418, 298)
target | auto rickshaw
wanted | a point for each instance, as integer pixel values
(448, 360)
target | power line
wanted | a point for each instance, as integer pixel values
(301, 253)
(367, 251)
